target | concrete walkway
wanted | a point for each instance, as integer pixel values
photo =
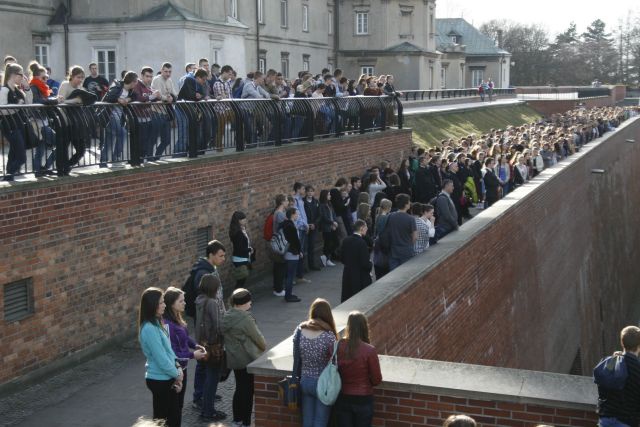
(410, 110)
(110, 391)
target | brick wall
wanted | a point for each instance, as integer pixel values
(91, 244)
(547, 272)
(548, 107)
(395, 408)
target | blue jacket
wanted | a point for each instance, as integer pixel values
(156, 346)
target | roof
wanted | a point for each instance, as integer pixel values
(165, 12)
(404, 47)
(475, 42)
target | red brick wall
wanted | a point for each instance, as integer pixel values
(548, 107)
(529, 289)
(92, 244)
(403, 408)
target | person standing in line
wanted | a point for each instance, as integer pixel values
(491, 182)
(163, 375)
(244, 343)
(15, 91)
(381, 260)
(279, 263)
(447, 215)
(359, 369)
(356, 258)
(181, 343)
(329, 227)
(243, 252)
(403, 233)
(425, 224)
(313, 345)
(312, 210)
(621, 408)
(208, 331)
(303, 228)
(294, 252)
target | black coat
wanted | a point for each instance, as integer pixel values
(425, 185)
(291, 234)
(312, 209)
(491, 184)
(356, 274)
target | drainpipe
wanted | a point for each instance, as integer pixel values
(67, 15)
(336, 31)
(258, 37)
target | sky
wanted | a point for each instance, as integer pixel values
(554, 15)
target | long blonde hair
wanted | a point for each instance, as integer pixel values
(10, 70)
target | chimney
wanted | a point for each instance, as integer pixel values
(499, 38)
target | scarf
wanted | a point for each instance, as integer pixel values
(42, 87)
(316, 325)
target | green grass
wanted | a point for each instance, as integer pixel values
(431, 128)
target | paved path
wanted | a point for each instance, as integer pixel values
(109, 391)
(409, 110)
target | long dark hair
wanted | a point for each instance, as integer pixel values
(171, 295)
(357, 331)
(234, 226)
(324, 197)
(321, 309)
(149, 302)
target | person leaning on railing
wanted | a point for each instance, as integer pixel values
(42, 94)
(152, 121)
(121, 93)
(78, 134)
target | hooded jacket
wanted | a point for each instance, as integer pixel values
(243, 340)
(208, 320)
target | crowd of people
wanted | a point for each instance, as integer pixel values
(200, 82)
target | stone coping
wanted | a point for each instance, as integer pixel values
(427, 376)
(460, 380)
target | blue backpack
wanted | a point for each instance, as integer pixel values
(330, 383)
(611, 372)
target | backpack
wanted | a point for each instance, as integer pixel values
(329, 382)
(267, 230)
(611, 372)
(190, 294)
(279, 244)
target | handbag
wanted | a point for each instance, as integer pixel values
(289, 387)
(240, 272)
(215, 351)
(329, 382)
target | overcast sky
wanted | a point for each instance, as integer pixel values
(554, 15)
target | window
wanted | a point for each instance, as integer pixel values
(443, 77)
(284, 64)
(42, 54)
(454, 39)
(305, 18)
(330, 15)
(477, 76)
(367, 69)
(18, 300)
(106, 60)
(305, 62)
(215, 56)
(284, 18)
(262, 65)
(233, 8)
(261, 11)
(362, 23)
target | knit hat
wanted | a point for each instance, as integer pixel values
(240, 296)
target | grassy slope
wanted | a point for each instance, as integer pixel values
(431, 128)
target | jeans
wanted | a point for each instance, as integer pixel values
(314, 412)
(397, 262)
(163, 125)
(243, 397)
(292, 266)
(279, 275)
(351, 413)
(610, 422)
(303, 248)
(17, 151)
(505, 189)
(165, 401)
(210, 388)
(183, 132)
(48, 141)
(147, 136)
(199, 380)
(114, 141)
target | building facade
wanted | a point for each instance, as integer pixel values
(403, 38)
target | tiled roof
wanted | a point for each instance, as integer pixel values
(476, 43)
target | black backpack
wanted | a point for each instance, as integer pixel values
(190, 294)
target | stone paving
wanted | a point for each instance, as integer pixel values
(109, 391)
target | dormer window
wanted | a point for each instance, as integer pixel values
(454, 39)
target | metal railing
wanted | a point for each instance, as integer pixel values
(427, 95)
(561, 92)
(54, 139)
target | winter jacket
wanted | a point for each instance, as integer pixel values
(243, 341)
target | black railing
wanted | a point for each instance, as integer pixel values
(53, 139)
(561, 92)
(427, 95)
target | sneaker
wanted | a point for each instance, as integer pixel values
(302, 280)
(323, 259)
(330, 264)
(278, 294)
(292, 298)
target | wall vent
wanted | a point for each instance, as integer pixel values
(18, 300)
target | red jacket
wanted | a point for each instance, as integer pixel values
(360, 374)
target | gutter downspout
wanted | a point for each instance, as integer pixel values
(336, 32)
(258, 36)
(66, 35)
